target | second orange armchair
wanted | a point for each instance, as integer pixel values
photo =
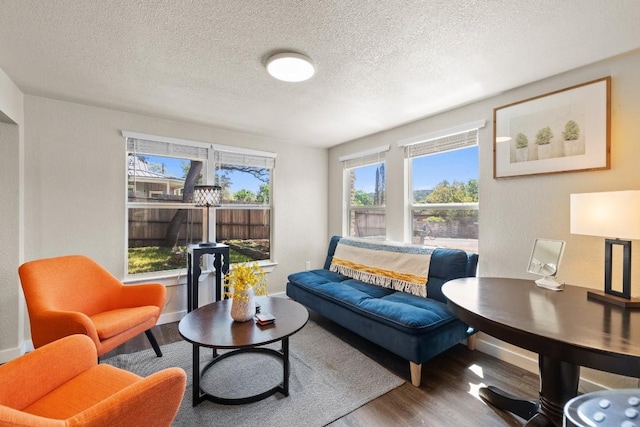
(62, 384)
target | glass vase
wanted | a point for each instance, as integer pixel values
(243, 306)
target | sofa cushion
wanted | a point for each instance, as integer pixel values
(313, 278)
(374, 291)
(344, 295)
(415, 316)
(352, 287)
(412, 314)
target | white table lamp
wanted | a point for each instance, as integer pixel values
(614, 215)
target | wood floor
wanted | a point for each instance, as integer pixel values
(445, 398)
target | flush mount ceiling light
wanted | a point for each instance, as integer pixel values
(290, 67)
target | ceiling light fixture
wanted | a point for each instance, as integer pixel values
(290, 67)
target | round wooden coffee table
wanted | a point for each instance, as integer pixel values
(212, 326)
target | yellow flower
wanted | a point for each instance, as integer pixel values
(244, 276)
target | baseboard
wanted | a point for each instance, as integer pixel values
(528, 363)
(9, 354)
(171, 317)
(506, 355)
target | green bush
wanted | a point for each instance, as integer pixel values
(544, 136)
(522, 141)
(571, 131)
(158, 258)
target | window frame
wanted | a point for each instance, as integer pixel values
(375, 156)
(434, 137)
(353, 209)
(209, 169)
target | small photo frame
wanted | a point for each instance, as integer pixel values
(563, 131)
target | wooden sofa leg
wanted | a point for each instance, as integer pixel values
(471, 342)
(416, 373)
(153, 342)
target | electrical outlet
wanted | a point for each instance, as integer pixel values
(307, 265)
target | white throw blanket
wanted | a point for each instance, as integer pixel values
(395, 266)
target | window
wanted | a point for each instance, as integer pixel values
(365, 191)
(161, 217)
(244, 219)
(443, 190)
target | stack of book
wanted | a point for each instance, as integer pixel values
(263, 319)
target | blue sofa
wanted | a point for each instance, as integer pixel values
(413, 327)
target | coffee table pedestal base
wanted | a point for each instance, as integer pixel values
(200, 395)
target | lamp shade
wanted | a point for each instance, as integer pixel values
(614, 214)
(206, 196)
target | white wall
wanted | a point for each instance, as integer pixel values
(513, 212)
(11, 194)
(10, 298)
(75, 190)
(11, 100)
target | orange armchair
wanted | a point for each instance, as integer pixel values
(62, 384)
(74, 295)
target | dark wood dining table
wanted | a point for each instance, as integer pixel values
(565, 328)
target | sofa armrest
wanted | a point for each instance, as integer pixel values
(29, 377)
(472, 264)
(333, 243)
(156, 397)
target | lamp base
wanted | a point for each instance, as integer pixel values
(613, 299)
(549, 283)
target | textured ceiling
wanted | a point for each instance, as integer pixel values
(379, 63)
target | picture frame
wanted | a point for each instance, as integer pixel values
(563, 131)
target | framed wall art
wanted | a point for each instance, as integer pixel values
(563, 131)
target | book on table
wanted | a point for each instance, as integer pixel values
(265, 318)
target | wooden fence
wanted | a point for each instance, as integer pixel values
(148, 227)
(243, 224)
(368, 223)
(373, 224)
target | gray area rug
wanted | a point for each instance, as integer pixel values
(329, 379)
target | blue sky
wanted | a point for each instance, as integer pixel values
(429, 171)
(239, 181)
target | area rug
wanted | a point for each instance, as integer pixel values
(329, 379)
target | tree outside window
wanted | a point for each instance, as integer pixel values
(444, 211)
(367, 198)
(162, 219)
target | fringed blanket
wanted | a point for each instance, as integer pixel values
(403, 268)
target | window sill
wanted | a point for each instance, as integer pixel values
(167, 278)
(179, 277)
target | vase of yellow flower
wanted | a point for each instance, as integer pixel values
(243, 307)
(244, 281)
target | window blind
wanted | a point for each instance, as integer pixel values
(364, 158)
(439, 145)
(196, 150)
(244, 159)
(460, 136)
(166, 149)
